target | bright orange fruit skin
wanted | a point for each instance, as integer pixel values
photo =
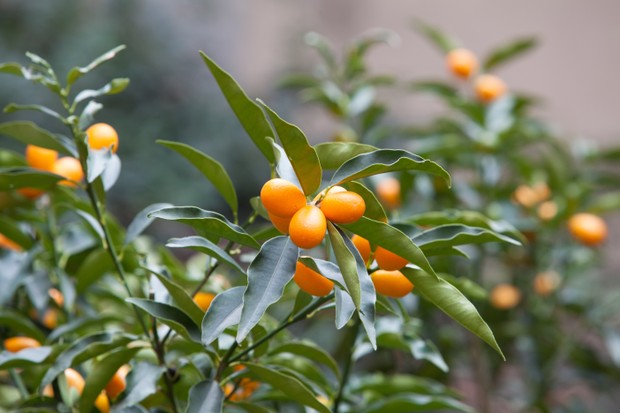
(70, 168)
(343, 207)
(505, 296)
(282, 198)
(40, 158)
(203, 300)
(15, 344)
(545, 283)
(388, 191)
(363, 246)
(489, 88)
(389, 261)
(307, 227)
(391, 283)
(102, 403)
(30, 193)
(9, 244)
(461, 63)
(311, 281)
(74, 380)
(101, 136)
(588, 228)
(280, 223)
(50, 318)
(117, 383)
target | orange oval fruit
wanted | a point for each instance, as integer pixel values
(57, 296)
(69, 168)
(505, 296)
(363, 246)
(74, 380)
(282, 198)
(50, 318)
(281, 223)
(525, 195)
(101, 136)
(588, 228)
(547, 210)
(15, 344)
(117, 383)
(9, 244)
(388, 192)
(546, 283)
(461, 62)
(391, 283)
(389, 261)
(311, 281)
(30, 193)
(48, 391)
(203, 300)
(41, 158)
(343, 207)
(489, 88)
(307, 227)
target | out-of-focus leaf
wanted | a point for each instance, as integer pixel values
(170, 316)
(113, 87)
(181, 298)
(333, 154)
(20, 324)
(323, 47)
(310, 351)
(207, 247)
(142, 220)
(25, 358)
(439, 39)
(451, 235)
(30, 134)
(224, 311)
(406, 403)
(205, 397)
(10, 229)
(14, 178)
(505, 53)
(12, 107)
(466, 286)
(77, 72)
(438, 88)
(141, 383)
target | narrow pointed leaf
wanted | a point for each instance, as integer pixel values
(426, 350)
(442, 41)
(181, 298)
(207, 222)
(14, 178)
(345, 307)
(386, 160)
(170, 316)
(346, 263)
(141, 383)
(406, 403)
(30, 134)
(447, 236)
(374, 209)
(250, 115)
(24, 358)
(141, 221)
(77, 72)
(224, 312)
(333, 154)
(505, 53)
(19, 323)
(303, 157)
(452, 302)
(268, 274)
(284, 167)
(310, 351)
(113, 87)
(207, 247)
(210, 168)
(205, 397)
(327, 269)
(13, 107)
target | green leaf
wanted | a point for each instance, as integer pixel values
(284, 167)
(323, 47)
(14, 178)
(439, 39)
(374, 209)
(438, 88)
(20, 324)
(77, 72)
(452, 302)
(141, 221)
(87, 116)
(113, 87)
(288, 385)
(210, 168)
(253, 408)
(345, 307)
(80, 326)
(607, 202)
(101, 373)
(12, 68)
(25, 358)
(206, 247)
(84, 349)
(347, 264)
(96, 264)
(170, 316)
(13, 107)
(405, 403)
(224, 312)
(446, 236)
(333, 154)
(97, 163)
(248, 112)
(268, 274)
(386, 160)
(505, 53)
(468, 287)
(10, 228)
(141, 383)
(399, 383)
(328, 269)
(181, 298)
(426, 350)
(205, 397)
(30, 134)
(303, 157)
(392, 239)
(310, 351)
(208, 222)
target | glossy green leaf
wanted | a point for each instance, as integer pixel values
(253, 408)
(10, 229)
(347, 264)
(101, 373)
(24, 358)
(14, 178)
(20, 324)
(442, 41)
(452, 302)
(205, 397)
(250, 115)
(386, 160)
(96, 264)
(399, 383)
(181, 298)
(426, 350)
(210, 168)
(113, 87)
(406, 403)
(392, 239)
(170, 316)
(96, 163)
(80, 326)
(333, 154)
(224, 312)
(451, 235)
(12, 68)
(77, 72)
(284, 167)
(30, 134)
(268, 274)
(310, 351)
(345, 307)
(207, 247)
(303, 157)
(13, 107)
(505, 53)
(141, 383)
(84, 349)
(374, 209)
(288, 385)
(142, 220)
(207, 222)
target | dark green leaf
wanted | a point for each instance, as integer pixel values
(81, 325)
(439, 88)
(333, 154)
(12, 68)
(452, 302)
(224, 312)
(181, 298)
(30, 134)
(113, 87)
(284, 167)
(207, 247)
(399, 383)
(25, 358)
(10, 229)
(426, 350)
(205, 397)
(248, 112)
(268, 274)
(439, 39)
(170, 316)
(446, 236)
(310, 351)
(347, 264)
(406, 403)
(208, 222)
(141, 221)
(96, 264)
(303, 157)
(505, 53)
(210, 168)
(345, 307)
(77, 72)
(141, 383)
(386, 160)
(13, 107)
(20, 324)
(14, 178)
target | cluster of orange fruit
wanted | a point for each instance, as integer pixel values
(507, 296)
(243, 390)
(464, 64)
(99, 135)
(536, 195)
(115, 386)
